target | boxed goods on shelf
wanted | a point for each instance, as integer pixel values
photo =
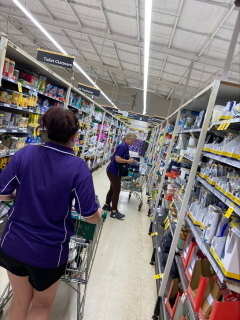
(173, 296)
(195, 255)
(201, 273)
(218, 302)
(186, 252)
(226, 252)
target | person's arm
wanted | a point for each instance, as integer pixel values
(96, 217)
(9, 197)
(121, 160)
(9, 180)
(84, 193)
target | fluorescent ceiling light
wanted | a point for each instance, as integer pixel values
(147, 35)
(31, 17)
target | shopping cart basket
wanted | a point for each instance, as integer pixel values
(82, 250)
(135, 181)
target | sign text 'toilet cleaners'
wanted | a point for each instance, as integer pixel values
(55, 58)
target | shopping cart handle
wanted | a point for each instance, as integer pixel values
(104, 215)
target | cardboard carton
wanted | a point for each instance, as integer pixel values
(174, 291)
(202, 271)
(189, 244)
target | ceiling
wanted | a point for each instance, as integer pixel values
(107, 38)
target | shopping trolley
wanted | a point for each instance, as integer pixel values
(135, 181)
(82, 250)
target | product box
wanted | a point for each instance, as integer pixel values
(230, 262)
(201, 273)
(174, 291)
(223, 303)
(181, 309)
(189, 244)
(196, 254)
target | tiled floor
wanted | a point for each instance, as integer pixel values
(122, 285)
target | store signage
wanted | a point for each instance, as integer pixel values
(55, 58)
(124, 119)
(88, 90)
(137, 116)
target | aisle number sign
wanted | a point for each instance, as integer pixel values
(88, 90)
(55, 58)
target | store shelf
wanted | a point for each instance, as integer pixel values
(205, 248)
(11, 108)
(233, 163)
(7, 130)
(189, 131)
(222, 197)
(185, 284)
(32, 88)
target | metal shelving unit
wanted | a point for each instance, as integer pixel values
(27, 61)
(218, 93)
(185, 284)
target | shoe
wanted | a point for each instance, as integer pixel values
(117, 215)
(107, 208)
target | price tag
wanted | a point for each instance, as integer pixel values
(183, 297)
(154, 234)
(19, 87)
(150, 218)
(180, 159)
(166, 220)
(191, 133)
(222, 125)
(14, 130)
(230, 210)
(226, 125)
(6, 105)
(181, 190)
(167, 225)
(159, 276)
(19, 108)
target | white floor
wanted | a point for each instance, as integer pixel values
(122, 285)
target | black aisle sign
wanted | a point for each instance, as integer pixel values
(88, 90)
(55, 58)
(137, 116)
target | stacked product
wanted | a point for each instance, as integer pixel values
(141, 148)
(136, 146)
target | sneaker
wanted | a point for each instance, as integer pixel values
(107, 208)
(117, 215)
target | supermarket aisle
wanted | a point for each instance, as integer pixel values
(122, 284)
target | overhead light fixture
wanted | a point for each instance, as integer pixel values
(147, 36)
(31, 17)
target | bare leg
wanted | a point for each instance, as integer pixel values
(22, 297)
(42, 303)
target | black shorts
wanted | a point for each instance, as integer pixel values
(40, 278)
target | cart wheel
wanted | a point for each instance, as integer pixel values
(139, 207)
(129, 196)
(155, 317)
(1, 314)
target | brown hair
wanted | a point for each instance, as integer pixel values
(59, 124)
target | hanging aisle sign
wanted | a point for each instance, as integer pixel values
(55, 58)
(88, 90)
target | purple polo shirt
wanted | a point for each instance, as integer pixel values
(39, 226)
(122, 151)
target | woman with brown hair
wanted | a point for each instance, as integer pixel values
(120, 156)
(43, 181)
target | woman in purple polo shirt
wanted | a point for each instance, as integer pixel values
(43, 181)
(121, 155)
